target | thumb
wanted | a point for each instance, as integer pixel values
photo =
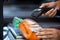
(44, 5)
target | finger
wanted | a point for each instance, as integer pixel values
(53, 39)
(34, 26)
(47, 39)
(44, 33)
(33, 23)
(49, 12)
(44, 5)
(53, 13)
(48, 5)
(46, 36)
(50, 39)
(45, 29)
(43, 37)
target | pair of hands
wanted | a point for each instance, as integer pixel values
(54, 5)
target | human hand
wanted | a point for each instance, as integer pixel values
(48, 34)
(51, 13)
(54, 5)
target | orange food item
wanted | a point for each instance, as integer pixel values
(27, 33)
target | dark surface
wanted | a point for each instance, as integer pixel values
(26, 1)
(1, 20)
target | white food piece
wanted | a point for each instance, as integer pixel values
(34, 25)
(34, 29)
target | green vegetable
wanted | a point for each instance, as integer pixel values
(17, 21)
